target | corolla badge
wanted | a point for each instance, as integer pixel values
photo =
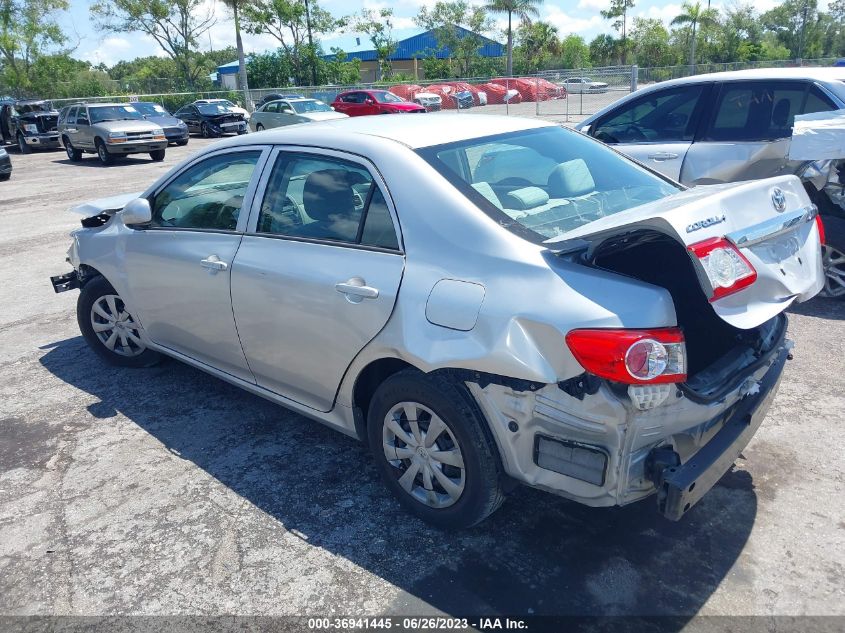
(778, 199)
(701, 224)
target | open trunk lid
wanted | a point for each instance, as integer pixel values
(770, 222)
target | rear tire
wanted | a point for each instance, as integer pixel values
(108, 327)
(259, 128)
(448, 436)
(4, 177)
(182, 143)
(204, 131)
(103, 153)
(157, 155)
(72, 153)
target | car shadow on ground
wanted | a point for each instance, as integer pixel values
(821, 307)
(539, 554)
(91, 160)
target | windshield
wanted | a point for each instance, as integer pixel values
(314, 105)
(542, 183)
(151, 109)
(113, 113)
(41, 106)
(213, 109)
(386, 97)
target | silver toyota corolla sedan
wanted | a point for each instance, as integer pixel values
(482, 300)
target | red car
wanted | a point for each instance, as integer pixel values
(362, 102)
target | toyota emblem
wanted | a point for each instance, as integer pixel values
(778, 199)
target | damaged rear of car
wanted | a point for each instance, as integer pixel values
(664, 402)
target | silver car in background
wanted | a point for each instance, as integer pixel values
(291, 111)
(584, 85)
(481, 299)
(734, 126)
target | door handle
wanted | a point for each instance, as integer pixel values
(213, 263)
(356, 289)
(662, 156)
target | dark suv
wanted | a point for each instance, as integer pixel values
(30, 124)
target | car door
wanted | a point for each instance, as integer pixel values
(69, 128)
(356, 105)
(84, 135)
(748, 132)
(657, 128)
(178, 267)
(190, 115)
(316, 276)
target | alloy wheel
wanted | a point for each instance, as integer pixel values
(114, 326)
(425, 454)
(833, 262)
(71, 154)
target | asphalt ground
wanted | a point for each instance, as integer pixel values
(165, 491)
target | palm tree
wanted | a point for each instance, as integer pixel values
(235, 6)
(523, 9)
(695, 15)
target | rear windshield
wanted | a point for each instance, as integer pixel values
(113, 113)
(542, 183)
(312, 105)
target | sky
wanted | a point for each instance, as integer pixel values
(572, 16)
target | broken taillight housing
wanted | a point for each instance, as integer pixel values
(631, 356)
(727, 269)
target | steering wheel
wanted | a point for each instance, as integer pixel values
(635, 134)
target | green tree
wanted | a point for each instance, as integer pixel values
(536, 43)
(176, 25)
(650, 42)
(288, 22)
(445, 19)
(602, 50)
(618, 12)
(695, 15)
(524, 10)
(378, 26)
(574, 52)
(798, 25)
(740, 36)
(28, 28)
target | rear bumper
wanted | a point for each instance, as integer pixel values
(681, 487)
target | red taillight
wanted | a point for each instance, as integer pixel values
(820, 227)
(727, 269)
(631, 356)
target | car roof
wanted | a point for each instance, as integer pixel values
(414, 131)
(823, 73)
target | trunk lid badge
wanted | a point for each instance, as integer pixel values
(778, 199)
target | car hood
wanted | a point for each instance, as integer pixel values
(781, 244)
(109, 205)
(32, 116)
(324, 116)
(128, 125)
(165, 120)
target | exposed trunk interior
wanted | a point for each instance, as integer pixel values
(715, 349)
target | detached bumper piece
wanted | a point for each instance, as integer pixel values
(63, 283)
(681, 487)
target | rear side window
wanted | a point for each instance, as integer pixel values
(660, 117)
(325, 199)
(762, 111)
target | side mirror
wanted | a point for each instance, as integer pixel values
(369, 102)
(137, 211)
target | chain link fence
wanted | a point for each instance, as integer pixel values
(565, 95)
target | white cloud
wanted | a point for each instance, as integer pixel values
(595, 5)
(665, 13)
(567, 23)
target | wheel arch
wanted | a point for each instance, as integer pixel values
(367, 381)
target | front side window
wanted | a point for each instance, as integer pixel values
(82, 117)
(758, 111)
(543, 183)
(660, 117)
(311, 105)
(208, 195)
(327, 199)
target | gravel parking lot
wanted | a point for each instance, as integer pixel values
(166, 491)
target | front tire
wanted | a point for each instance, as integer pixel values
(108, 327)
(103, 153)
(833, 257)
(182, 143)
(433, 451)
(205, 131)
(157, 155)
(22, 146)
